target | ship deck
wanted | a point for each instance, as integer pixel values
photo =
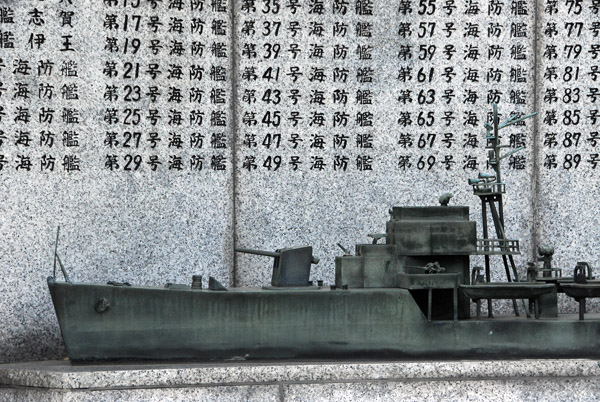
(523, 317)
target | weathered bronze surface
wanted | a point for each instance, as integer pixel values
(323, 323)
(409, 296)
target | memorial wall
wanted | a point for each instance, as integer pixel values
(161, 134)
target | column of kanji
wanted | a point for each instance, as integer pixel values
(167, 77)
(569, 135)
(41, 112)
(306, 74)
(454, 60)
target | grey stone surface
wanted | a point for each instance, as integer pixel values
(27, 395)
(568, 187)
(460, 380)
(152, 227)
(567, 183)
(282, 207)
(140, 226)
(476, 390)
(62, 375)
(226, 393)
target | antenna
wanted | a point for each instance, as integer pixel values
(57, 258)
(55, 251)
(493, 139)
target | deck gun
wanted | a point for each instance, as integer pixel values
(291, 266)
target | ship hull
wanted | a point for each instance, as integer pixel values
(104, 322)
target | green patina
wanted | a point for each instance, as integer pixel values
(405, 298)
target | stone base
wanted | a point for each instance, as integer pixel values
(301, 381)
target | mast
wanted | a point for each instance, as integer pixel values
(490, 189)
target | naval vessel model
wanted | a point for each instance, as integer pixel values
(406, 294)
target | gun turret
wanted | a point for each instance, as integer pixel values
(276, 253)
(291, 266)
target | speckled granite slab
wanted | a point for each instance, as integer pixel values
(135, 203)
(282, 123)
(309, 177)
(465, 380)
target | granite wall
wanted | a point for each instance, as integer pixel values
(161, 134)
(125, 166)
(506, 380)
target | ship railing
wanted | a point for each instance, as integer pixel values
(498, 247)
(549, 273)
(489, 187)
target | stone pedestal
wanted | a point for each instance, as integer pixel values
(301, 381)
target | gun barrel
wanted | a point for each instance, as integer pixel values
(258, 252)
(346, 251)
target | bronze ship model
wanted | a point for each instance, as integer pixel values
(407, 294)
